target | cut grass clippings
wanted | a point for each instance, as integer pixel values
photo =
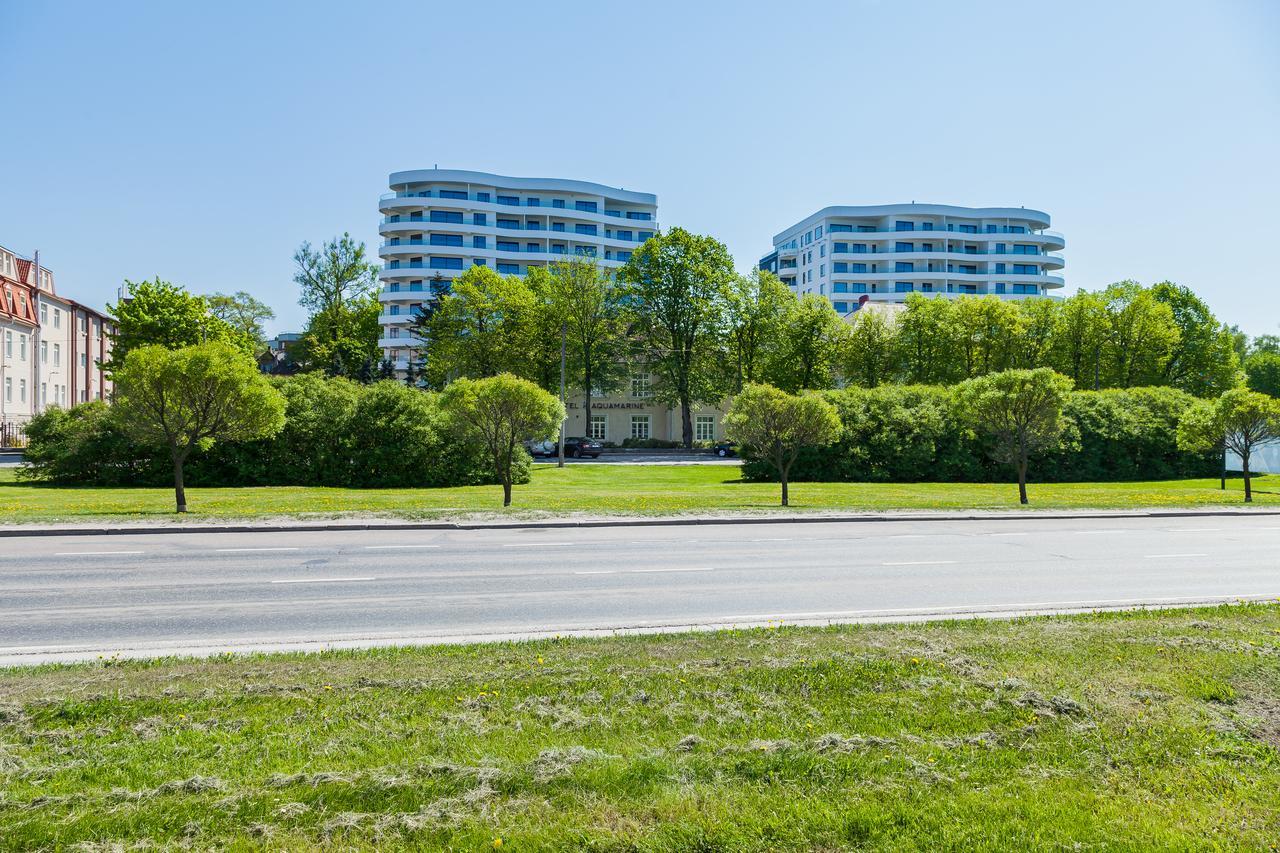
(1146, 730)
(602, 489)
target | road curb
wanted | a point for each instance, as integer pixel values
(668, 521)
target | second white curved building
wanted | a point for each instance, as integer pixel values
(885, 252)
(436, 223)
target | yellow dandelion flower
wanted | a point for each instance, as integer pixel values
(497, 843)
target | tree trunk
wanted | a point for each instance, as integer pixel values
(686, 422)
(1022, 482)
(506, 491)
(179, 492)
(586, 409)
(784, 488)
(1248, 487)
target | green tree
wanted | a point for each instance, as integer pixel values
(1265, 343)
(386, 369)
(193, 397)
(927, 346)
(500, 412)
(1240, 420)
(1203, 360)
(988, 332)
(486, 325)
(755, 308)
(1142, 336)
(165, 314)
(1262, 372)
(1020, 410)
(1080, 339)
(339, 339)
(1038, 323)
(243, 313)
(334, 276)
(871, 349)
(809, 346)
(775, 425)
(578, 294)
(676, 282)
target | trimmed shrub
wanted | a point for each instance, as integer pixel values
(85, 445)
(336, 433)
(910, 433)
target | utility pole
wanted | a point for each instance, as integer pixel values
(563, 333)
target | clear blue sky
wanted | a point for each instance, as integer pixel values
(202, 142)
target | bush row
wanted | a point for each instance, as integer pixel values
(336, 433)
(911, 433)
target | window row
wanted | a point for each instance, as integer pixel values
(704, 427)
(530, 201)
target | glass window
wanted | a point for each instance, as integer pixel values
(840, 287)
(509, 269)
(704, 427)
(452, 194)
(508, 199)
(438, 263)
(446, 239)
(597, 427)
(639, 426)
(557, 202)
(904, 266)
(482, 196)
(858, 287)
(841, 307)
(446, 216)
(904, 247)
(579, 228)
(904, 226)
(533, 202)
(902, 287)
(478, 242)
(480, 219)
(640, 385)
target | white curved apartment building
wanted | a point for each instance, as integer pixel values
(436, 223)
(888, 251)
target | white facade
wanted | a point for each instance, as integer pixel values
(885, 252)
(439, 222)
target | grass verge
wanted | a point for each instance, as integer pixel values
(601, 489)
(1148, 730)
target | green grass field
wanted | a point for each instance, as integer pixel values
(1129, 731)
(603, 489)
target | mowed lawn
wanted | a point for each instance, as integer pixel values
(598, 489)
(1137, 731)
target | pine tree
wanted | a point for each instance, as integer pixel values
(365, 374)
(387, 369)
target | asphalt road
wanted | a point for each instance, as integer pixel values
(74, 597)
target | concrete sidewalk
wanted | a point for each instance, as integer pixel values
(479, 522)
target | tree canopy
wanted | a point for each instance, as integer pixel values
(192, 397)
(1020, 410)
(676, 285)
(1240, 420)
(500, 412)
(166, 314)
(776, 425)
(242, 312)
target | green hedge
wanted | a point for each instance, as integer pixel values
(336, 433)
(910, 433)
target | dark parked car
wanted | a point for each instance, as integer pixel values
(726, 448)
(580, 447)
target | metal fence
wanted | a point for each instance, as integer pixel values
(13, 434)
